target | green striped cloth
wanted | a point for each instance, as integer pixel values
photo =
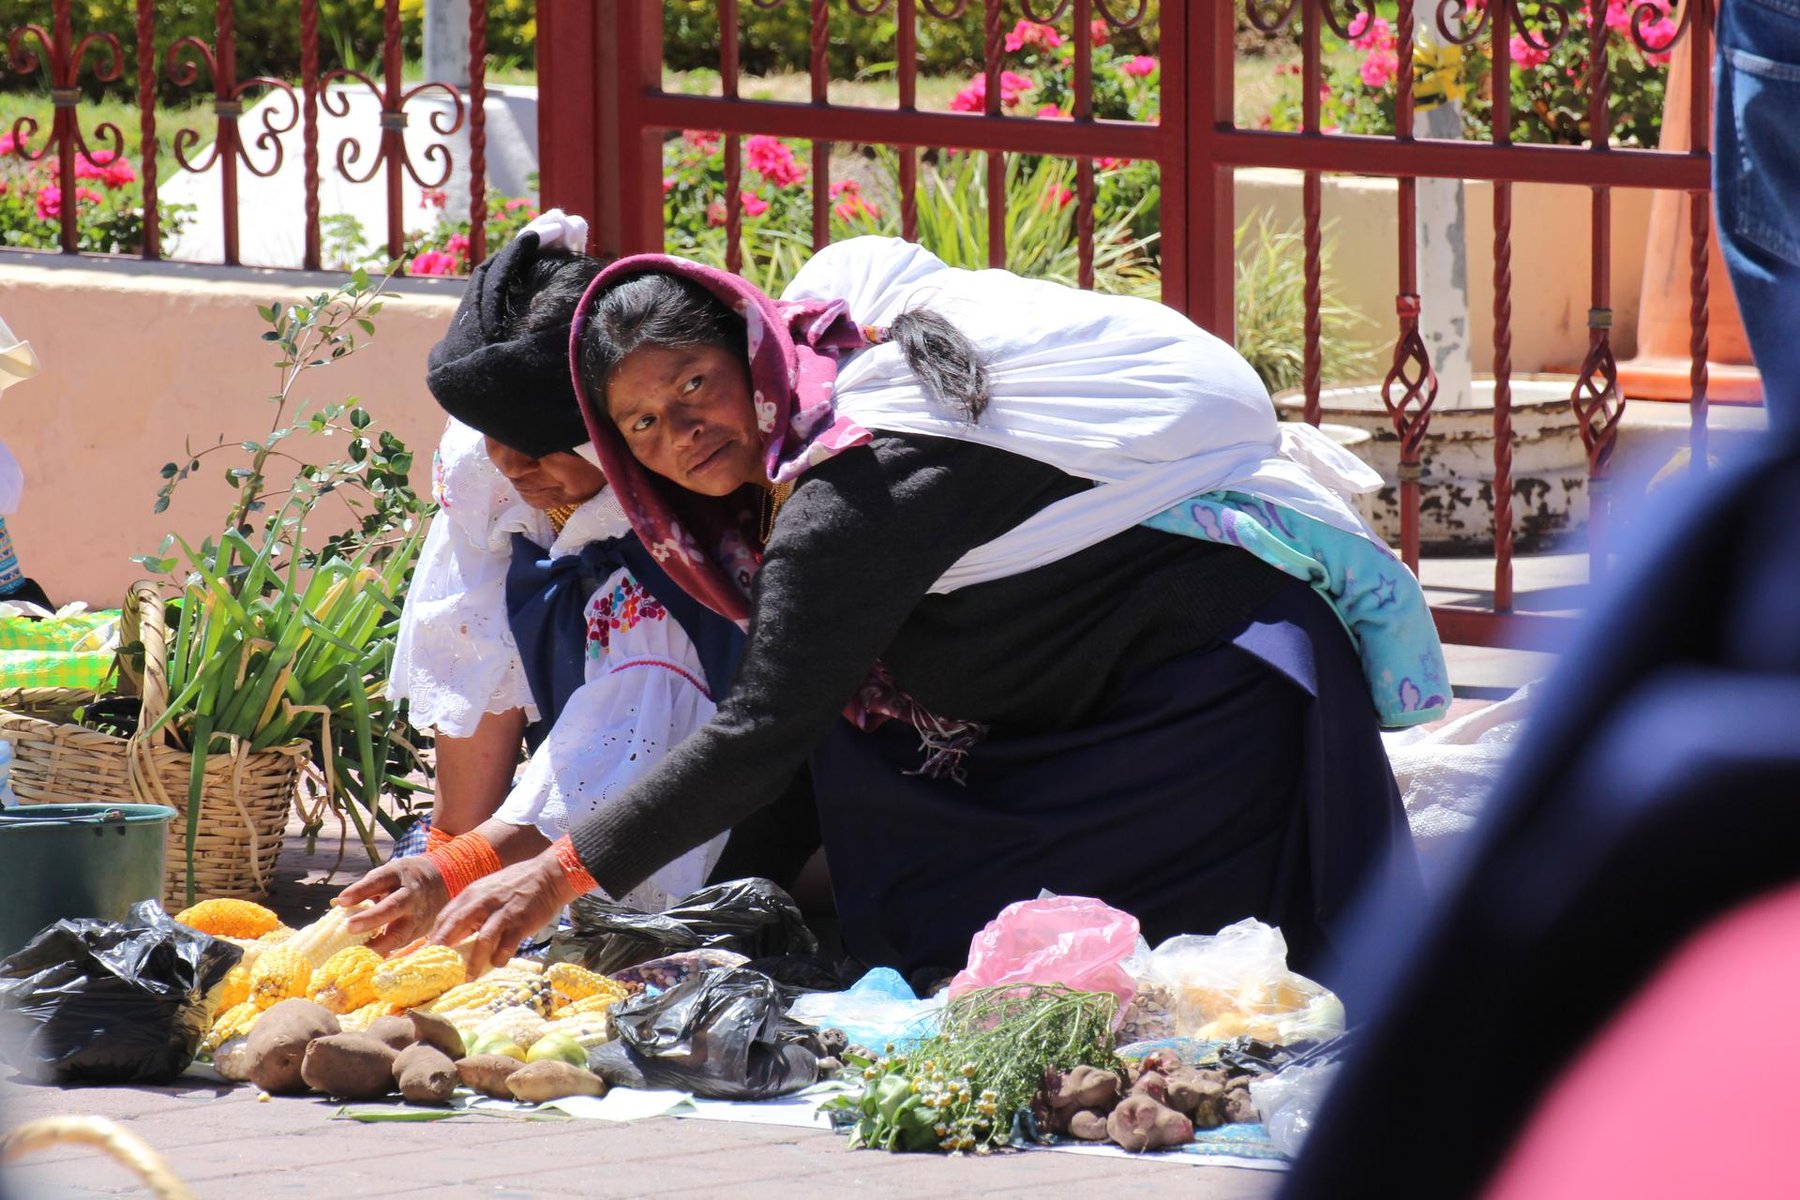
(75, 651)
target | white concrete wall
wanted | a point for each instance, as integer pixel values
(1550, 260)
(138, 359)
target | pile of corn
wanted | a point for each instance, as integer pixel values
(326, 964)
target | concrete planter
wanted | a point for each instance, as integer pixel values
(1456, 511)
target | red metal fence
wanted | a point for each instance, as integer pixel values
(604, 117)
(601, 67)
(73, 61)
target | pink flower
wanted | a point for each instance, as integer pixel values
(771, 158)
(1139, 66)
(1660, 32)
(1030, 33)
(844, 185)
(753, 204)
(1060, 197)
(118, 173)
(8, 144)
(715, 213)
(668, 184)
(1013, 87)
(433, 198)
(972, 99)
(1366, 34)
(854, 205)
(458, 243)
(1527, 55)
(518, 203)
(432, 262)
(1111, 164)
(1099, 31)
(1379, 68)
(701, 139)
(1052, 113)
(87, 168)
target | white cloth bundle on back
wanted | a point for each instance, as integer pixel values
(1119, 390)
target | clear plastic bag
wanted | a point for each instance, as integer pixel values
(1287, 1101)
(1236, 983)
(877, 1010)
(1073, 940)
(91, 1001)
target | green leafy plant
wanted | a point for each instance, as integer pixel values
(276, 639)
(1271, 310)
(962, 1089)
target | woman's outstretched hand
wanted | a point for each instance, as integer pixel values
(411, 894)
(496, 913)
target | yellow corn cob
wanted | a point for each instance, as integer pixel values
(230, 991)
(229, 918)
(527, 966)
(327, 935)
(347, 980)
(588, 1029)
(488, 994)
(277, 936)
(231, 1023)
(517, 1024)
(591, 1005)
(357, 1020)
(574, 983)
(421, 976)
(253, 950)
(281, 974)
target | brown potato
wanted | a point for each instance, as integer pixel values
(1140, 1123)
(395, 1032)
(1190, 1089)
(425, 1074)
(488, 1073)
(1088, 1125)
(1153, 1084)
(438, 1033)
(277, 1043)
(1087, 1087)
(553, 1079)
(351, 1066)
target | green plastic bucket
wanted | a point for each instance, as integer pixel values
(77, 860)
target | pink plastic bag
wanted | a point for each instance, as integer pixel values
(1072, 940)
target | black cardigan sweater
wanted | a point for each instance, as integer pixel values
(845, 581)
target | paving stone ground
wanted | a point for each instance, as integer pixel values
(224, 1144)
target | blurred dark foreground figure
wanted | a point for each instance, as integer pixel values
(1579, 1015)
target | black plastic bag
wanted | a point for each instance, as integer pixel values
(91, 1001)
(724, 1035)
(753, 917)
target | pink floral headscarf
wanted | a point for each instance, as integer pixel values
(705, 543)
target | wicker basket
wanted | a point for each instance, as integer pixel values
(244, 802)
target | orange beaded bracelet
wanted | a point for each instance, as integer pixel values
(463, 860)
(573, 871)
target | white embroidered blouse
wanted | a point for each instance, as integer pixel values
(645, 688)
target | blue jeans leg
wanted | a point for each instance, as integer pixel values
(1756, 178)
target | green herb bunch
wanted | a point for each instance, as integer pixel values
(961, 1090)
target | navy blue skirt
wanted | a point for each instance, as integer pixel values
(1243, 780)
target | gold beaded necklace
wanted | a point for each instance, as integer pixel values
(773, 499)
(560, 516)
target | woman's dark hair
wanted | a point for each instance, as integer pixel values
(665, 311)
(673, 313)
(545, 294)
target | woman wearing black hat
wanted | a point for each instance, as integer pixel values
(534, 611)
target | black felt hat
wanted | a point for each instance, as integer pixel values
(514, 389)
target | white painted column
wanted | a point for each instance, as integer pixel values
(447, 61)
(1443, 250)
